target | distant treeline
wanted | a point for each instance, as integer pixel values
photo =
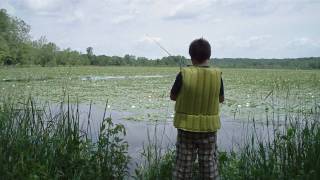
(296, 63)
(17, 48)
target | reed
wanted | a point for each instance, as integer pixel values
(292, 151)
(289, 149)
(36, 143)
(157, 163)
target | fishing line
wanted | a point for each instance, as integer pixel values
(167, 108)
(164, 49)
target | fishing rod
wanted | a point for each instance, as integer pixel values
(164, 49)
(167, 113)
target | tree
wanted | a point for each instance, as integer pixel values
(4, 49)
(48, 54)
(129, 59)
(89, 52)
(4, 22)
(14, 36)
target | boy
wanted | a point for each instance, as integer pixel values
(197, 90)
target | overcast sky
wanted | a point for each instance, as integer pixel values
(235, 28)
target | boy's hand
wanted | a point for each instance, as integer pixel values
(173, 97)
(221, 99)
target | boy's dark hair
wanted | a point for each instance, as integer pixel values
(200, 50)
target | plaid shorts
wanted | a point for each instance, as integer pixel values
(190, 145)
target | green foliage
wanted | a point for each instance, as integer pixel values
(36, 144)
(291, 152)
(111, 159)
(294, 63)
(4, 49)
(154, 170)
(157, 165)
(90, 52)
(14, 36)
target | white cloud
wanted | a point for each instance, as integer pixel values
(303, 42)
(147, 46)
(236, 28)
(255, 41)
(149, 39)
(5, 4)
(241, 42)
(188, 9)
(42, 5)
(72, 17)
(123, 19)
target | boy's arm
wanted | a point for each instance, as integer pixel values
(176, 87)
(221, 95)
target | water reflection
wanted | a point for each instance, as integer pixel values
(231, 134)
(99, 78)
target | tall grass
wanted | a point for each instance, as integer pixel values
(287, 150)
(38, 144)
(291, 153)
(156, 162)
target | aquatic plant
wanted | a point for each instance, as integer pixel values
(157, 163)
(143, 91)
(36, 143)
(275, 149)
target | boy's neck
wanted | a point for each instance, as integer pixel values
(205, 63)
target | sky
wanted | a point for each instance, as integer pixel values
(234, 28)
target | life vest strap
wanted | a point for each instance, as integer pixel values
(197, 123)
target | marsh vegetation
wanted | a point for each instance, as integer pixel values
(278, 110)
(45, 133)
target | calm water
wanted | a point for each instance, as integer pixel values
(162, 132)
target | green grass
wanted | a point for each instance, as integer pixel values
(287, 149)
(291, 152)
(157, 162)
(36, 144)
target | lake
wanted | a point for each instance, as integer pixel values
(138, 97)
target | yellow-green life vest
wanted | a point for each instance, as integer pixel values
(197, 104)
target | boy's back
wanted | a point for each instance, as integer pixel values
(197, 90)
(197, 106)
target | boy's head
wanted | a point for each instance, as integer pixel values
(200, 51)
